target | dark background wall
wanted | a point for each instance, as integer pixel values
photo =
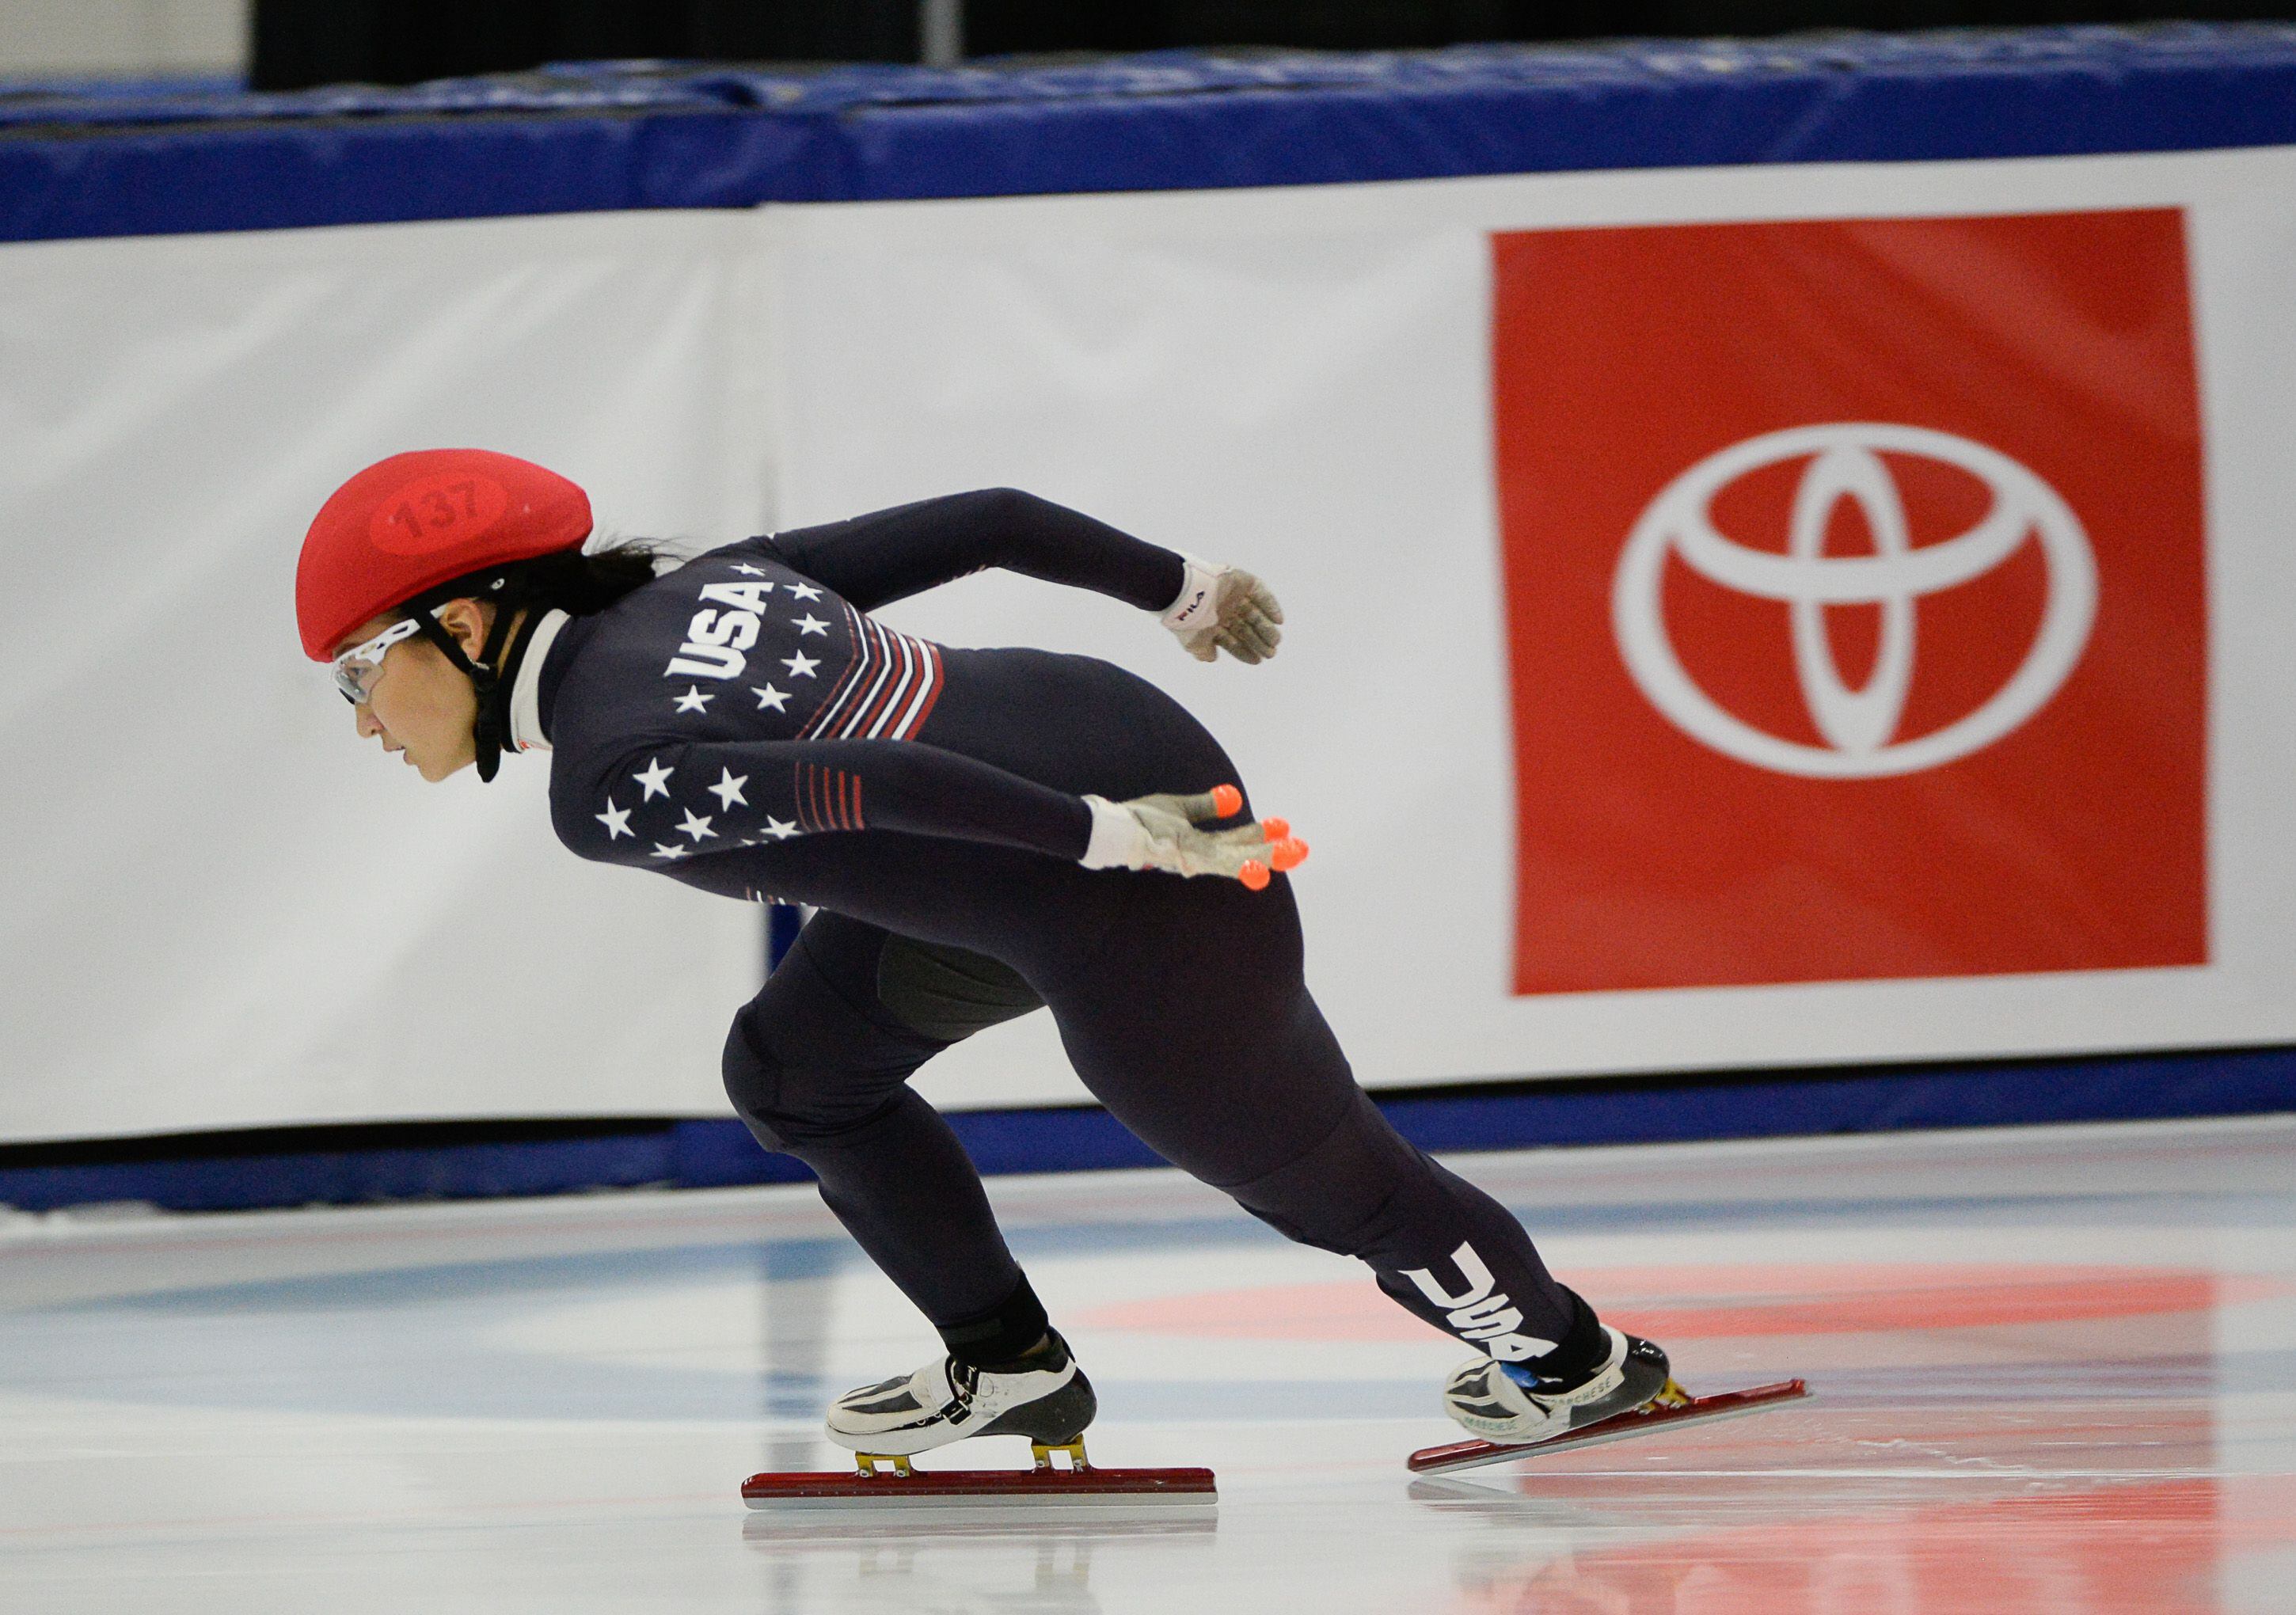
(299, 43)
(995, 26)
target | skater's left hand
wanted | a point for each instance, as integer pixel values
(1165, 832)
(1224, 608)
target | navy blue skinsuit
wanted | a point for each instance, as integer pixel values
(743, 726)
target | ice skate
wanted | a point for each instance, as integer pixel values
(1048, 1400)
(1507, 1402)
(1514, 1414)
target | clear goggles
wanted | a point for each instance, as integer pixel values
(357, 669)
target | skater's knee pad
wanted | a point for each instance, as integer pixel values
(947, 994)
(1347, 1193)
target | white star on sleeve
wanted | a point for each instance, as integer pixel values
(696, 825)
(781, 829)
(811, 624)
(777, 700)
(804, 591)
(655, 778)
(800, 666)
(747, 571)
(728, 788)
(617, 820)
(673, 852)
(694, 701)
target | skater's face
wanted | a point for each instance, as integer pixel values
(419, 704)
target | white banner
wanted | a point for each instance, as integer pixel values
(218, 915)
(222, 910)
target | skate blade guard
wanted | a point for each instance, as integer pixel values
(1671, 1409)
(895, 1483)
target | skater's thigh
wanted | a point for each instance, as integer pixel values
(1197, 1032)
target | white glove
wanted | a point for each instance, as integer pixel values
(1224, 608)
(1160, 832)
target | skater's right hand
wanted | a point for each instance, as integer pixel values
(1165, 832)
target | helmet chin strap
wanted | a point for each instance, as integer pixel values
(487, 732)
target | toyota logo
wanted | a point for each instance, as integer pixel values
(1859, 726)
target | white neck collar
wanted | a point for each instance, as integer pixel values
(526, 695)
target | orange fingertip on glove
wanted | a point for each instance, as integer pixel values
(1289, 853)
(1275, 830)
(1227, 801)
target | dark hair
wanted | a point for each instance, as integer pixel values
(573, 581)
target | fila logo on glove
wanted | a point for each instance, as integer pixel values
(1183, 615)
(715, 639)
(1480, 1313)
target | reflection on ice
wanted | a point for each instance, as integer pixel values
(948, 1562)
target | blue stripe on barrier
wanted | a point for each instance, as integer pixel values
(697, 1154)
(623, 135)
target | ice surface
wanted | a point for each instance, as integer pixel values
(2053, 1370)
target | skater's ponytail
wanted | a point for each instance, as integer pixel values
(576, 582)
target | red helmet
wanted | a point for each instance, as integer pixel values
(407, 524)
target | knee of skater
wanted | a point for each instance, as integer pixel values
(753, 1081)
(755, 1092)
(798, 1107)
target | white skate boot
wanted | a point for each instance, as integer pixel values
(1508, 1403)
(1049, 1401)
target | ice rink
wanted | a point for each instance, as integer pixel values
(2054, 1371)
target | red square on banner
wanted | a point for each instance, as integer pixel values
(1856, 597)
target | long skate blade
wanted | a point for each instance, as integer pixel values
(1618, 1427)
(1032, 1488)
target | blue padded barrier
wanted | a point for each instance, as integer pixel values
(174, 1173)
(639, 135)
